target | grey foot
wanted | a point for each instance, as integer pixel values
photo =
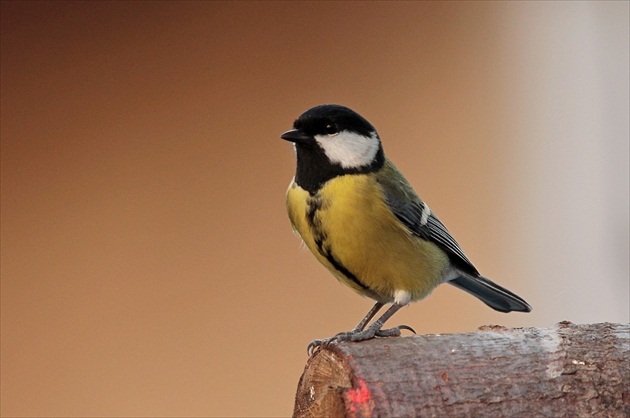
(356, 336)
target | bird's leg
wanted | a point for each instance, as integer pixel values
(378, 324)
(368, 317)
(361, 334)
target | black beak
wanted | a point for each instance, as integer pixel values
(297, 136)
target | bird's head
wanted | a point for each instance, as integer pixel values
(336, 136)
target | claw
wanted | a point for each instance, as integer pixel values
(313, 346)
(317, 344)
(408, 328)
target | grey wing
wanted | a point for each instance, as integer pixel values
(417, 216)
(438, 233)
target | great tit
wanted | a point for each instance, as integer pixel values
(364, 222)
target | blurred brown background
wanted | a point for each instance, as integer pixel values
(148, 266)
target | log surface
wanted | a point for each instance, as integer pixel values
(569, 371)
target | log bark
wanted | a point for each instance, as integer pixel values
(566, 371)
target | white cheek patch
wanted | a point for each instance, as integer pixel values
(349, 149)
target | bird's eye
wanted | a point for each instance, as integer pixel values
(331, 129)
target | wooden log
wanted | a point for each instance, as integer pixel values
(566, 371)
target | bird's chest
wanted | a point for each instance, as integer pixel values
(347, 215)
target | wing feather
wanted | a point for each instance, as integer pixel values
(417, 216)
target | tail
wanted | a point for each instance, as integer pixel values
(491, 293)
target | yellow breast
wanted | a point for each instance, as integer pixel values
(351, 230)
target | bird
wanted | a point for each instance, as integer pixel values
(363, 221)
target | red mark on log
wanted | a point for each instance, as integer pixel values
(360, 399)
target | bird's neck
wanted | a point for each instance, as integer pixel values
(314, 169)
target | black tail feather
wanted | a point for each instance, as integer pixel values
(491, 294)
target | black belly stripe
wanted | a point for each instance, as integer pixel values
(342, 269)
(314, 205)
